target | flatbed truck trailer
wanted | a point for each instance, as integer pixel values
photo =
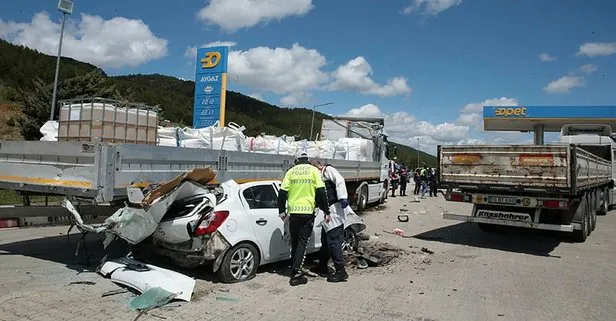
(559, 187)
(100, 172)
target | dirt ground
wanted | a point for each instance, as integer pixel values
(438, 270)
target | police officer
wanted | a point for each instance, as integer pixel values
(332, 232)
(302, 190)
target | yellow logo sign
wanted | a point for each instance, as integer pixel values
(511, 111)
(210, 60)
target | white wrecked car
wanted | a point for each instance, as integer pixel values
(235, 227)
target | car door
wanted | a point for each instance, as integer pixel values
(314, 243)
(262, 201)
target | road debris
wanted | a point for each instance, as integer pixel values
(425, 250)
(403, 218)
(114, 292)
(142, 277)
(401, 235)
(151, 299)
(82, 282)
(224, 298)
(373, 254)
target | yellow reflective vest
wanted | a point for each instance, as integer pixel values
(301, 183)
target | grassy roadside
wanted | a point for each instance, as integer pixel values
(13, 198)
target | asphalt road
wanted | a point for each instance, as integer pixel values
(472, 275)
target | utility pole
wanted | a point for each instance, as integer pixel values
(418, 164)
(66, 7)
(313, 112)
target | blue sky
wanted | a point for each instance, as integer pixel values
(426, 65)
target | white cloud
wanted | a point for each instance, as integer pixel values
(356, 75)
(405, 128)
(291, 71)
(191, 52)
(546, 57)
(232, 15)
(594, 49)
(588, 68)
(430, 7)
(115, 43)
(256, 96)
(299, 99)
(472, 114)
(564, 84)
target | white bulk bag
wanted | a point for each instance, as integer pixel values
(308, 147)
(49, 131)
(167, 136)
(359, 149)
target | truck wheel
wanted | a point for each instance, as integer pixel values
(239, 264)
(362, 199)
(581, 235)
(603, 208)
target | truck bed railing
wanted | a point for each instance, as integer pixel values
(564, 169)
(102, 171)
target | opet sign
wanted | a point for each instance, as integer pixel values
(510, 111)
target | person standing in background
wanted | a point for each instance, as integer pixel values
(417, 180)
(404, 179)
(393, 176)
(432, 182)
(424, 181)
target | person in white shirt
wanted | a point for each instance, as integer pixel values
(332, 233)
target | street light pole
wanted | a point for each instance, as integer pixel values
(313, 112)
(418, 164)
(66, 7)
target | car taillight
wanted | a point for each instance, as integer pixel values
(553, 204)
(211, 223)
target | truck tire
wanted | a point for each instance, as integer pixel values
(581, 234)
(362, 199)
(605, 199)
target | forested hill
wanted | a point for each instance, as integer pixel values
(26, 78)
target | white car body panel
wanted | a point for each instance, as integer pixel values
(171, 281)
(259, 225)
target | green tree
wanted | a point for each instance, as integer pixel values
(36, 103)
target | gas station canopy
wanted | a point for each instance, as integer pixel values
(525, 118)
(540, 119)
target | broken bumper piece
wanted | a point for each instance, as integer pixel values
(142, 277)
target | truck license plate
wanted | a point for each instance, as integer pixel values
(502, 200)
(507, 216)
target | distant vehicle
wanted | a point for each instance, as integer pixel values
(236, 228)
(559, 187)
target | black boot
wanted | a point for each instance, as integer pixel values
(298, 279)
(321, 270)
(339, 276)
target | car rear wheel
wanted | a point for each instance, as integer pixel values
(239, 264)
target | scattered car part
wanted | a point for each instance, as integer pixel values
(132, 273)
(403, 218)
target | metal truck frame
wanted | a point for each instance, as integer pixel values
(100, 172)
(551, 187)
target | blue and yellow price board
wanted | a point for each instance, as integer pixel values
(210, 87)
